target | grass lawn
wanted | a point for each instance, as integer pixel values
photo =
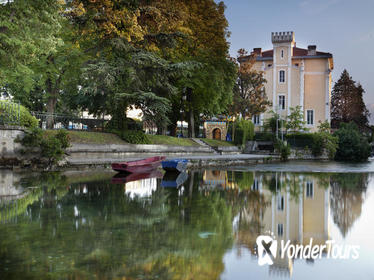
(169, 140)
(85, 137)
(217, 143)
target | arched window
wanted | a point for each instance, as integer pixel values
(282, 53)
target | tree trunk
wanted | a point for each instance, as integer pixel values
(191, 119)
(51, 103)
(173, 129)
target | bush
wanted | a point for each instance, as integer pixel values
(52, 148)
(300, 139)
(264, 136)
(353, 146)
(134, 137)
(26, 119)
(244, 131)
(284, 149)
(324, 141)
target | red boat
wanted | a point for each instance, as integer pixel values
(138, 166)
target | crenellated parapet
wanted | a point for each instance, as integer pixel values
(283, 37)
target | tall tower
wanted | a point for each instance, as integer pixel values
(283, 43)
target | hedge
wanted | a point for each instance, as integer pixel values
(26, 119)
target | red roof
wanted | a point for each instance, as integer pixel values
(296, 52)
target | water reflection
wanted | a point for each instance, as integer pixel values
(87, 225)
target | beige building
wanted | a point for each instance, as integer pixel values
(295, 77)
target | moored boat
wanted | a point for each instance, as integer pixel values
(179, 165)
(138, 166)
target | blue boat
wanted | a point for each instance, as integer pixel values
(174, 179)
(179, 165)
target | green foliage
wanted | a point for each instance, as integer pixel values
(28, 30)
(347, 104)
(295, 120)
(271, 123)
(243, 131)
(353, 146)
(299, 139)
(318, 142)
(324, 141)
(284, 149)
(244, 180)
(25, 118)
(51, 147)
(249, 90)
(264, 136)
(324, 126)
(135, 137)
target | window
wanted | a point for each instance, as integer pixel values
(282, 76)
(282, 53)
(309, 189)
(255, 185)
(282, 102)
(280, 229)
(280, 202)
(310, 117)
(256, 119)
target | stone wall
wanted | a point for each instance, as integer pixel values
(9, 149)
(81, 154)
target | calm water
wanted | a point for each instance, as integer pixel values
(92, 226)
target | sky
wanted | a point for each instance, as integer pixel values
(344, 28)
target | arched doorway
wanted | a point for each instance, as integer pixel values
(217, 134)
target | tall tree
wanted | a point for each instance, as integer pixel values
(249, 91)
(347, 102)
(28, 29)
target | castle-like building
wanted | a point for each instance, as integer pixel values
(295, 77)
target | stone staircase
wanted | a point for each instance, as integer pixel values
(222, 150)
(202, 143)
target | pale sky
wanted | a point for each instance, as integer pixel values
(344, 28)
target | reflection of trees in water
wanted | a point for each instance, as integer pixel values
(346, 198)
(96, 228)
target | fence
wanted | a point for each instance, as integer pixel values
(10, 113)
(58, 121)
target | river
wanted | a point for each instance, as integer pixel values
(94, 225)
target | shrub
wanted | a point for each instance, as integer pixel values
(26, 119)
(353, 146)
(135, 137)
(264, 136)
(324, 141)
(52, 148)
(300, 139)
(284, 149)
(244, 131)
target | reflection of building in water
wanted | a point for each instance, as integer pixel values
(214, 179)
(297, 218)
(141, 188)
(297, 210)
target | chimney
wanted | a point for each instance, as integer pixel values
(312, 50)
(257, 51)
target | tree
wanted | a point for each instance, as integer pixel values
(295, 120)
(249, 90)
(352, 145)
(28, 29)
(347, 103)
